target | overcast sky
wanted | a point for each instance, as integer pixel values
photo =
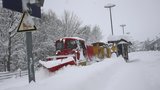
(142, 17)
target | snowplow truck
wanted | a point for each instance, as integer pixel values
(69, 51)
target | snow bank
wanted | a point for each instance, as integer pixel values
(140, 73)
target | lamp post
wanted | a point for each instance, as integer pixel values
(123, 25)
(110, 6)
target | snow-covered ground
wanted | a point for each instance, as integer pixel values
(141, 73)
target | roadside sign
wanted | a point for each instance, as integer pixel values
(26, 23)
(16, 5)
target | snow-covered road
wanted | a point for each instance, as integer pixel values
(140, 73)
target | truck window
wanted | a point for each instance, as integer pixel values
(59, 46)
(71, 44)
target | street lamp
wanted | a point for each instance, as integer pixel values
(110, 6)
(123, 25)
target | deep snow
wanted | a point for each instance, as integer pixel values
(140, 73)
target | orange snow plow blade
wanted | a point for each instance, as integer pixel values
(56, 64)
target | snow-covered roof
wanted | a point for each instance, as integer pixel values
(116, 38)
(122, 42)
(78, 38)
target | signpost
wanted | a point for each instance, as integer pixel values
(26, 23)
(27, 7)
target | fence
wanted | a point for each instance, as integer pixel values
(8, 75)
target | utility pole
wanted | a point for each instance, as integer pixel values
(123, 25)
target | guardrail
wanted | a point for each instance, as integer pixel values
(8, 75)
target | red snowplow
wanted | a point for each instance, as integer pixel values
(69, 51)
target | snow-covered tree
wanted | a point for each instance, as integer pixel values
(9, 40)
(70, 24)
(85, 33)
(96, 34)
(49, 27)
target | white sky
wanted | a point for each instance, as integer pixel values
(142, 17)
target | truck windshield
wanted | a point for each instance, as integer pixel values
(71, 44)
(59, 45)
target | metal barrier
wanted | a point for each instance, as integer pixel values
(8, 75)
